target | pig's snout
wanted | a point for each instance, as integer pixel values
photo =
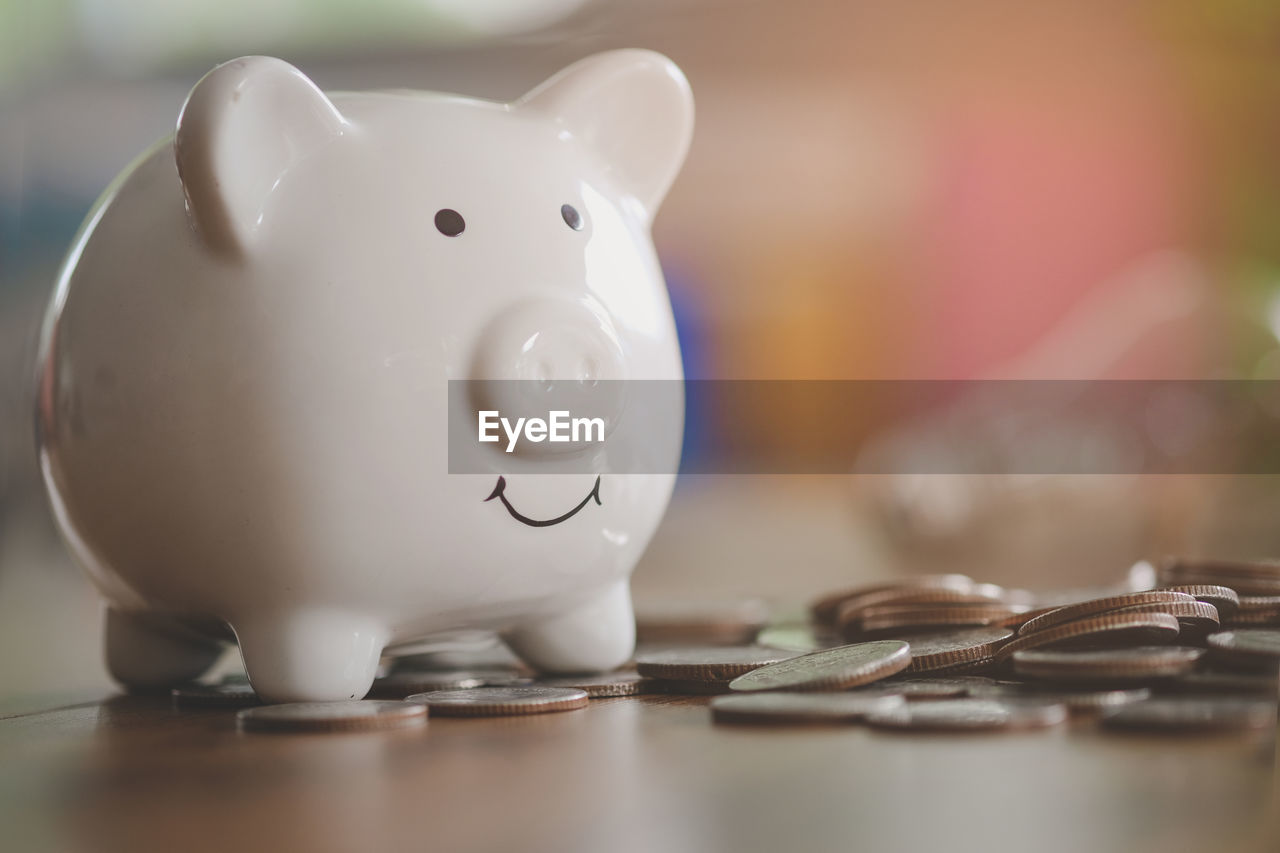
(544, 357)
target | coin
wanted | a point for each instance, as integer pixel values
(726, 622)
(627, 683)
(676, 687)
(1098, 606)
(893, 617)
(936, 687)
(1192, 714)
(1139, 663)
(1081, 702)
(500, 701)
(1195, 616)
(400, 684)
(824, 609)
(939, 650)
(853, 610)
(229, 695)
(1246, 578)
(809, 707)
(1252, 648)
(1222, 597)
(710, 663)
(969, 715)
(357, 715)
(830, 669)
(1113, 627)
(1208, 681)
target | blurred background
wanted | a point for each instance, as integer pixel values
(936, 190)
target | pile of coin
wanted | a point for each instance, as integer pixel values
(1197, 649)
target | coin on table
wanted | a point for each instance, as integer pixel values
(1099, 606)
(709, 663)
(809, 707)
(1210, 681)
(893, 617)
(1193, 714)
(1128, 664)
(1246, 647)
(1197, 617)
(676, 687)
(851, 613)
(400, 684)
(830, 669)
(609, 684)
(936, 687)
(357, 715)
(969, 715)
(1081, 702)
(216, 695)
(500, 701)
(938, 650)
(824, 609)
(1224, 598)
(1113, 628)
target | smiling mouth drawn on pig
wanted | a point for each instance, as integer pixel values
(499, 492)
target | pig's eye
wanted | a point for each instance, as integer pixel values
(572, 217)
(450, 222)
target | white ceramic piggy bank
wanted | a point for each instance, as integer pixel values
(243, 378)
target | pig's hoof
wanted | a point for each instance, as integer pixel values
(148, 651)
(597, 636)
(310, 656)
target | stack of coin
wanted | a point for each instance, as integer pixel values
(703, 670)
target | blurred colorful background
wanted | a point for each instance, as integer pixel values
(978, 189)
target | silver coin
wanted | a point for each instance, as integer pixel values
(830, 669)
(398, 685)
(603, 686)
(1250, 646)
(1193, 714)
(939, 687)
(357, 715)
(225, 695)
(709, 663)
(1076, 701)
(969, 715)
(500, 701)
(809, 707)
(1140, 662)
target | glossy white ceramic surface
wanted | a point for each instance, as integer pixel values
(242, 409)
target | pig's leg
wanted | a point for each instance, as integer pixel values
(596, 636)
(142, 655)
(310, 655)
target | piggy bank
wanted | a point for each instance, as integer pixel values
(241, 409)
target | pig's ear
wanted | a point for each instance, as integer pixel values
(633, 107)
(243, 126)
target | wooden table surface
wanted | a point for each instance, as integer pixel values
(646, 773)
(83, 770)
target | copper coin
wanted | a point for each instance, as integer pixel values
(1110, 627)
(357, 715)
(852, 610)
(830, 669)
(824, 609)
(1222, 597)
(894, 617)
(727, 622)
(500, 701)
(627, 683)
(1192, 714)
(1098, 606)
(1247, 647)
(1195, 615)
(942, 649)
(1142, 662)
(785, 708)
(710, 663)
(398, 685)
(969, 715)
(232, 695)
